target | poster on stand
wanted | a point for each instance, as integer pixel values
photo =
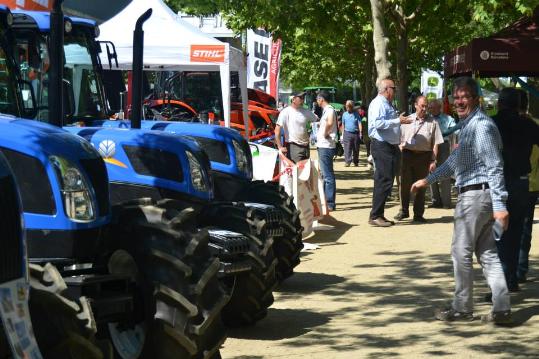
(302, 181)
(263, 62)
(432, 84)
(16, 319)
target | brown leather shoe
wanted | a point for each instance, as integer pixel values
(379, 222)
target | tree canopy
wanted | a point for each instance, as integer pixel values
(331, 41)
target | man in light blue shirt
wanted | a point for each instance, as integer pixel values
(441, 191)
(478, 167)
(384, 131)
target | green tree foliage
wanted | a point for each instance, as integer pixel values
(330, 41)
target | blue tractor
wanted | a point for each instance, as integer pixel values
(170, 172)
(33, 307)
(149, 285)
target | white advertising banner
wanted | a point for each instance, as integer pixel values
(263, 61)
(264, 161)
(432, 84)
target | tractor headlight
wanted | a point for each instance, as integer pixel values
(197, 176)
(242, 159)
(78, 202)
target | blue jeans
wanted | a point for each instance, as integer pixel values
(325, 157)
(526, 240)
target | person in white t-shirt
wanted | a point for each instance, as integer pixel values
(294, 122)
(326, 142)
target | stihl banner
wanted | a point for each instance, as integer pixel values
(208, 53)
(43, 5)
(263, 63)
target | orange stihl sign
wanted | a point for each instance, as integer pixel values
(208, 53)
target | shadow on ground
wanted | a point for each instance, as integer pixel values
(330, 232)
(411, 287)
(291, 323)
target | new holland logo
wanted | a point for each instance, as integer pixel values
(208, 53)
(107, 148)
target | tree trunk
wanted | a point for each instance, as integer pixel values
(402, 59)
(380, 41)
(367, 83)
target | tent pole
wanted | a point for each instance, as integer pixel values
(242, 75)
(225, 89)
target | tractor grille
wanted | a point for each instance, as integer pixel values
(33, 182)
(234, 243)
(155, 162)
(216, 150)
(97, 173)
(275, 232)
(11, 246)
(271, 214)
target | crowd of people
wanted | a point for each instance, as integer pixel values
(494, 164)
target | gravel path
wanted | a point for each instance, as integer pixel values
(371, 293)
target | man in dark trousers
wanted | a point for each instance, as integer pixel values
(519, 134)
(384, 132)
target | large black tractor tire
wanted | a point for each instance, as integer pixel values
(287, 248)
(177, 276)
(252, 294)
(64, 329)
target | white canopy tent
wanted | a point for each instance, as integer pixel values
(172, 44)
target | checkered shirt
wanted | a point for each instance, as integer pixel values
(478, 159)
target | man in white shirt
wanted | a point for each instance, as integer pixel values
(294, 121)
(325, 140)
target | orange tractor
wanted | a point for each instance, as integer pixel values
(196, 97)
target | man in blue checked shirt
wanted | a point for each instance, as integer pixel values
(478, 167)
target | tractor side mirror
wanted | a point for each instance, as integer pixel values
(29, 102)
(111, 52)
(69, 99)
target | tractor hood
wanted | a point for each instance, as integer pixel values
(216, 141)
(151, 159)
(34, 151)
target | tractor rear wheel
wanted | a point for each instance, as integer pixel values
(177, 278)
(287, 247)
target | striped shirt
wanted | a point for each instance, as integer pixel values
(478, 159)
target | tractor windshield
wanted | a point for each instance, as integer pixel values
(200, 90)
(8, 84)
(79, 70)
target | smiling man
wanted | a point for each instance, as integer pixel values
(478, 167)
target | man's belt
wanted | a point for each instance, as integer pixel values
(297, 144)
(414, 151)
(473, 187)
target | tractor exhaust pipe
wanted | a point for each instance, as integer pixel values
(138, 59)
(56, 70)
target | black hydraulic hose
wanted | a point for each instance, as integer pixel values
(138, 59)
(56, 69)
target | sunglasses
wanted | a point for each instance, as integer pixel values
(392, 87)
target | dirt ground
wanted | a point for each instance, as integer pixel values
(371, 293)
